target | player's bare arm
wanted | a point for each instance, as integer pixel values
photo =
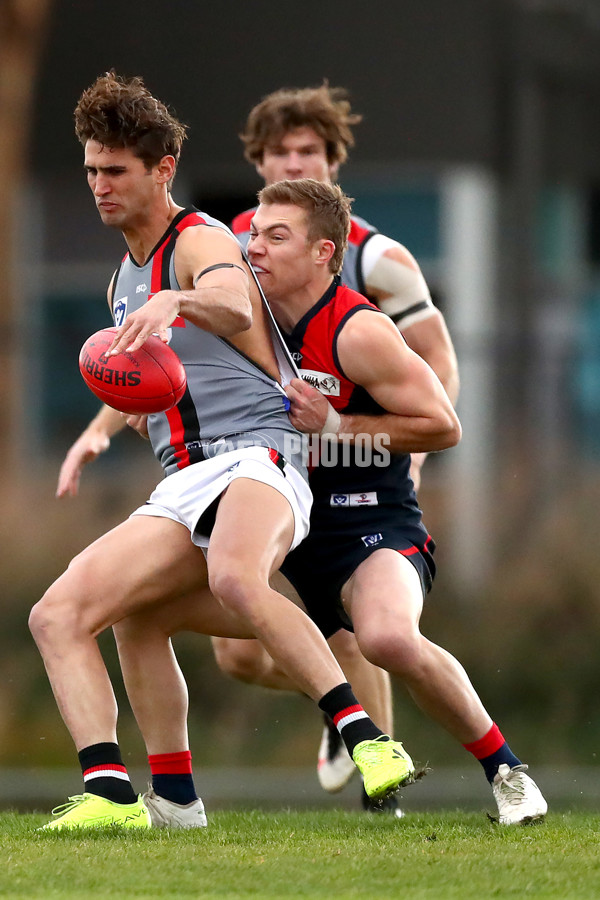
(394, 279)
(429, 338)
(396, 282)
(93, 441)
(217, 301)
(373, 354)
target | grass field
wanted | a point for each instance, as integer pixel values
(438, 856)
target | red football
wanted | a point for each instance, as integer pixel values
(149, 380)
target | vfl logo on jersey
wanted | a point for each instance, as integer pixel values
(367, 499)
(325, 383)
(120, 311)
(339, 500)
(369, 540)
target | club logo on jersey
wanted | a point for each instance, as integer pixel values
(367, 499)
(141, 289)
(120, 311)
(369, 540)
(322, 381)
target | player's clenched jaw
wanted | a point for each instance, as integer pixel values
(280, 252)
(124, 187)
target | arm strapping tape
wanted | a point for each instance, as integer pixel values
(332, 423)
(217, 266)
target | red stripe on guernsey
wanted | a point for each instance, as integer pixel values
(358, 233)
(241, 223)
(177, 433)
(486, 745)
(171, 763)
(156, 283)
(348, 715)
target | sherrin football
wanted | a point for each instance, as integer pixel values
(149, 380)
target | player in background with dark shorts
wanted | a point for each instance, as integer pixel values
(184, 278)
(306, 133)
(367, 561)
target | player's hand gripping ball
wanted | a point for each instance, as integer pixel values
(149, 380)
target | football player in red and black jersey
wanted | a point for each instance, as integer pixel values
(367, 562)
(307, 133)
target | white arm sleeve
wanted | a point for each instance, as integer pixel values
(408, 299)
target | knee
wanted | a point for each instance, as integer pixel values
(234, 586)
(49, 618)
(240, 659)
(396, 650)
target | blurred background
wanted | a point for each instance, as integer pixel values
(480, 151)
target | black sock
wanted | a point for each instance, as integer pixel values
(104, 773)
(348, 716)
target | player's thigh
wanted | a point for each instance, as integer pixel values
(384, 592)
(197, 612)
(253, 530)
(143, 561)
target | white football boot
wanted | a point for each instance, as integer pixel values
(335, 768)
(518, 797)
(166, 814)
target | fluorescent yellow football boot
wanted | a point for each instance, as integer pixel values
(91, 811)
(385, 766)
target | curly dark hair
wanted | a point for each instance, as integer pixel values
(327, 207)
(121, 112)
(324, 109)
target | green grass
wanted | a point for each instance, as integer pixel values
(438, 856)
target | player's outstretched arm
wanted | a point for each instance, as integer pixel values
(88, 447)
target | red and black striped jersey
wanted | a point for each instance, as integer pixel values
(364, 468)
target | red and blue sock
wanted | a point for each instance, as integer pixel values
(348, 716)
(492, 751)
(172, 776)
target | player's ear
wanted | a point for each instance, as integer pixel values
(324, 250)
(165, 169)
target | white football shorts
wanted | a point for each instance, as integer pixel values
(185, 495)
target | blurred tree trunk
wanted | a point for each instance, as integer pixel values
(23, 26)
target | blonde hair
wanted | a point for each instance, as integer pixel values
(327, 211)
